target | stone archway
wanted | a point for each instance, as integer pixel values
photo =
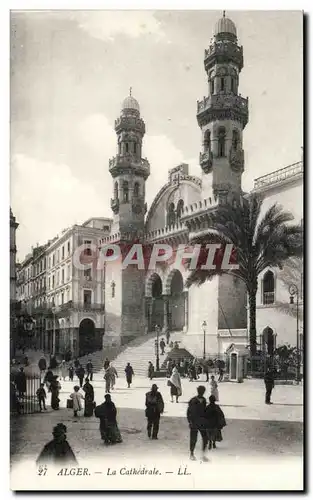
(176, 300)
(87, 337)
(157, 309)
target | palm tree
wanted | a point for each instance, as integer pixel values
(260, 242)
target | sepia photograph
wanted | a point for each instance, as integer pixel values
(156, 250)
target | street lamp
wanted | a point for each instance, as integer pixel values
(293, 290)
(204, 332)
(157, 330)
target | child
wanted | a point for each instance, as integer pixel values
(76, 397)
(71, 373)
(41, 395)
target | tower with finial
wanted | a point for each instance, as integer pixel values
(222, 116)
(129, 171)
(125, 284)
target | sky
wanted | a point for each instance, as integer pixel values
(71, 70)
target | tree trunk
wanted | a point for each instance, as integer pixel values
(252, 322)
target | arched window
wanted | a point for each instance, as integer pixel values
(207, 141)
(268, 288)
(221, 141)
(222, 83)
(212, 86)
(171, 217)
(125, 191)
(126, 147)
(116, 190)
(119, 147)
(180, 208)
(235, 140)
(136, 189)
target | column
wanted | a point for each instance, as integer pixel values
(165, 313)
(185, 329)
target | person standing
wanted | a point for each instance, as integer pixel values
(196, 416)
(55, 388)
(107, 378)
(168, 336)
(221, 374)
(175, 385)
(76, 363)
(58, 450)
(215, 422)
(20, 382)
(150, 370)
(154, 410)
(214, 388)
(129, 374)
(89, 398)
(71, 373)
(41, 396)
(269, 385)
(77, 397)
(107, 413)
(63, 369)
(106, 363)
(162, 347)
(80, 372)
(113, 375)
(89, 369)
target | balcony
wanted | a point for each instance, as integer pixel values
(289, 172)
(221, 52)
(130, 123)
(120, 164)
(224, 101)
(206, 161)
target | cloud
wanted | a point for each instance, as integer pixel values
(47, 198)
(105, 25)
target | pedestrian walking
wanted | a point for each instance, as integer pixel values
(196, 416)
(269, 385)
(129, 374)
(113, 376)
(20, 382)
(63, 369)
(162, 347)
(77, 397)
(41, 396)
(89, 398)
(106, 363)
(168, 336)
(150, 370)
(154, 410)
(89, 369)
(221, 374)
(55, 388)
(71, 373)
(206, 371)
(58, 450)
(169, 367)
(214, 388)
(76, 363)
(80, 372)
(215, 422)
(175, 385)
(48, 379)
(107, 414)
(107, 378)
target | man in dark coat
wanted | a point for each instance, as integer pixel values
(80, 372)
(197, 422)
(106, 363)
(20, 382)
(154, 409)
(269, 385)
(162, 347)
(58, 450)
(129, 374)
(89, 369)
(215, 422)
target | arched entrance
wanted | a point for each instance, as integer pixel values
(87, 337)
(157, 302)
(176, 301)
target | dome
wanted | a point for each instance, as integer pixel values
(225, 25)
(130, 103)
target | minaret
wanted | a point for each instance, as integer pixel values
(125, 286)
(129, 171)
(222, 116)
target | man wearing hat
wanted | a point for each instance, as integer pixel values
(154, 409)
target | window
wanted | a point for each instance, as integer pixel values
(63, 252)
(180, 208)
(207, 141)
(221, 141)
(116, 190)
(62, 298)
(68, 247)
(125, 192)
(62, 276)
(171, 217)
(87, 250)
(87, 274)
(135, 147)
(58, 256)
(119, 148)
(235, 140)
(87, 297)
(136, 189)
(232, 85)
(126, 147)
(53, 283)
(112, 289)
(212, 86)
(222, 84)
(53, 260)
(268, 288)
(49, 283)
